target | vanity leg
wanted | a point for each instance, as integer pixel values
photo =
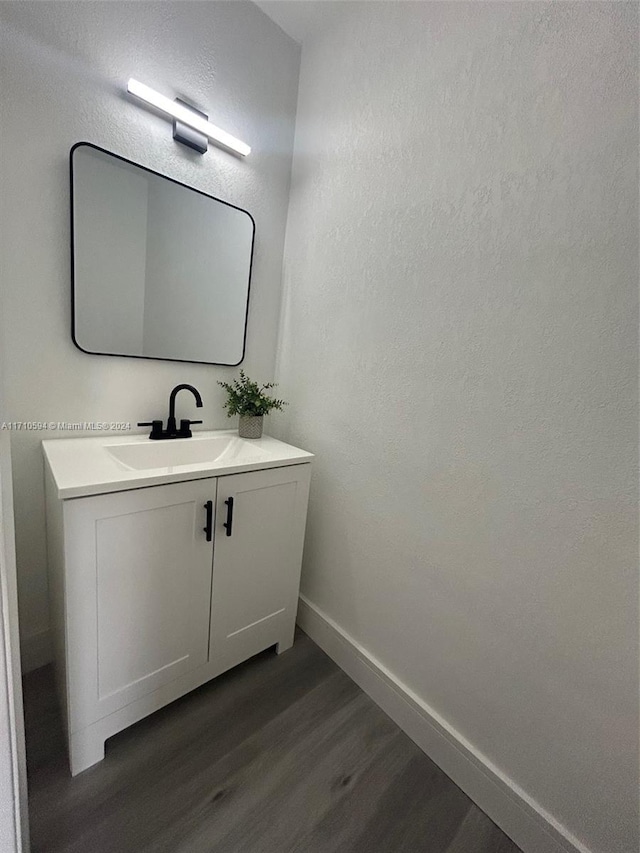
(286, 642)
(288, 631)
(86, 748)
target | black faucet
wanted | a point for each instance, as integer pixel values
(185, 425)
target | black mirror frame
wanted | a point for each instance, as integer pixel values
(73, 281)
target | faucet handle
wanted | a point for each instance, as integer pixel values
(185, 428)
(156, 428)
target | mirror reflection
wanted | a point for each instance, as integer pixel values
(160, 270)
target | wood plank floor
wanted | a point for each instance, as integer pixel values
(281, 754)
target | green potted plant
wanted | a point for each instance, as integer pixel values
(249, 400)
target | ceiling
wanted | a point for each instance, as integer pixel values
(300, 19)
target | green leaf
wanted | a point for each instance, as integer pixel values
(246, 397)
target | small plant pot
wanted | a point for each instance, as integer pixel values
(250, 426)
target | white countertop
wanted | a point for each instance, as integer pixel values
(84, 466)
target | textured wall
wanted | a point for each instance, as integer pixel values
(460, 349)
(63, 66)
(11, 727)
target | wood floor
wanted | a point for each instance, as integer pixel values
(281, 754)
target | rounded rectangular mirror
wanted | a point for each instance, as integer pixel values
(159, 270)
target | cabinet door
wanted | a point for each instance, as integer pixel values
(256, 561)
(138, 587)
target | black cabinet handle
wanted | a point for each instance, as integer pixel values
(208, 528)
(228, 524)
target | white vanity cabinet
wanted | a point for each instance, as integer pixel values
(157, 589)
(256, 562)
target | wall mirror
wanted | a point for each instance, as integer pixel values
(159, 270)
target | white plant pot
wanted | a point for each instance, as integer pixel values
(250, 426)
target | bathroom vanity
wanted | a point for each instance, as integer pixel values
(169, 563)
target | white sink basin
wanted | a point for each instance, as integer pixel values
(99, 464)
(181, 451)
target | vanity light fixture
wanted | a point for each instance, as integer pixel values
(183, 114)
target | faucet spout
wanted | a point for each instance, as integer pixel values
(174, 393)
(185, 426)
(171, 423)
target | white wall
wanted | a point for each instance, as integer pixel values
(14, 821)
(459, 347)
(63, 67)
(14, 817)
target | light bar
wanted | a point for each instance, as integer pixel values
(186, 116)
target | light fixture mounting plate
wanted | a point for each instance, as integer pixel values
(187, 135)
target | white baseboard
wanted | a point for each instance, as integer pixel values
(36, 650)
(532, 828)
